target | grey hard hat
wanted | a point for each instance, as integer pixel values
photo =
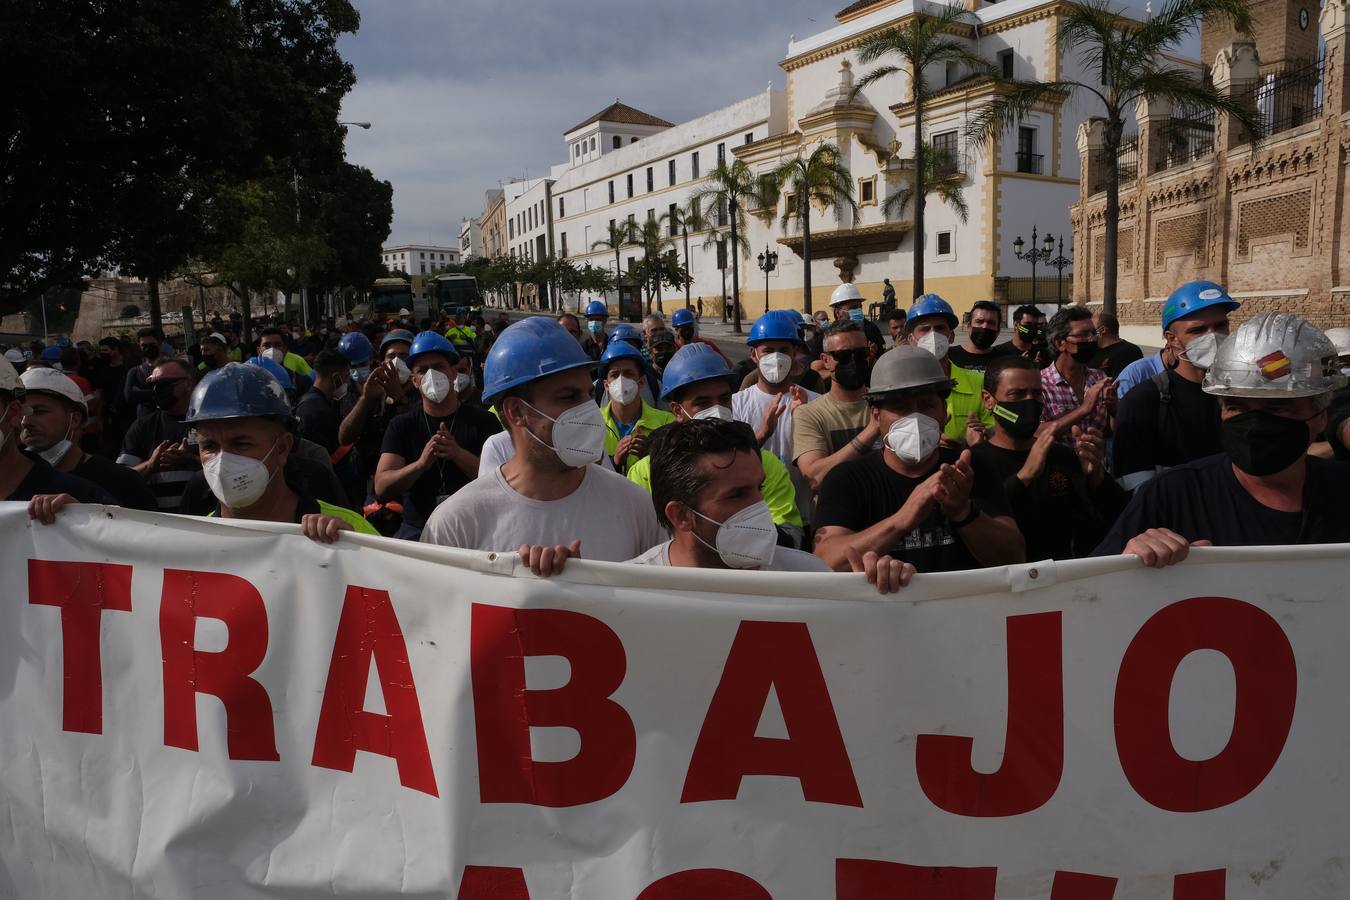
(906, 368)
(1275, 355)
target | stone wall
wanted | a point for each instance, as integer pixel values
(1266, 219)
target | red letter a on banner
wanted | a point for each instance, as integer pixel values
(369, 630)
(870, 879)
(504, 709)
(82, 590)
(492, 883)
(764, 656)
(187, 672)
(1033, 752)
(1267, 683)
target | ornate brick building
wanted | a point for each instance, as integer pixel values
(1199, 199)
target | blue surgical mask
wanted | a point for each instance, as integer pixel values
(856, 315)
(595, 327)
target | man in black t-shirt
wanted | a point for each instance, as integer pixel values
(1028, 338)
(319, 410)
(978, 351)
(431, 451)
(1061, 497)
(1116, 353)
(1274, 379)
(158, 446)
(1168, 420)
(912, 498)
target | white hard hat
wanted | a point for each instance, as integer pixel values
(218, 338)
(1275, 355)
(405, 311)
(50, 381)
(844, 293)
(9, 376)
(1340, 339)
(14, 355)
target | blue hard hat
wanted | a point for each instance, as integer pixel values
(625, 332)
(775, 325)
(683, 316)
(692, 363)
(431, 342)
(52, 353)
(930, 305)
(620, 350)
(278, 371)
(596, 308)
(398, 334)
(1192, 297)
(356, 347)
(235, 391)
(528, 350)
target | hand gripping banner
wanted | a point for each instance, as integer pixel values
(203, 710)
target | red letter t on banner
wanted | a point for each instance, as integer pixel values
(82, 590)
(187, 672)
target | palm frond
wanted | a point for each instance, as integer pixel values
(1178, 19)
(1187, 92)
(1007, 109)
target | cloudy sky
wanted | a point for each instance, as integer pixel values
(465, 93)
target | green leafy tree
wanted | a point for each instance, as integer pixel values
(926, 40)
(652, 237)
(1131, 62)
(617, 236)
(731, 187)
(822, 180)
(943, 179)
(682, 221)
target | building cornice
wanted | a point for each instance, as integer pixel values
(977, 88)
(868, 239)
(857, 40)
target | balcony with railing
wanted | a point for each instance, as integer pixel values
(1030, 163)
(1125, 162)
(1290, 97)
(1184, 139)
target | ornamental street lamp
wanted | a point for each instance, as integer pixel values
(1060, 262)
(1035, 255)
(768, 262)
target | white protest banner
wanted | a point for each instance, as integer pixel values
(193, 709)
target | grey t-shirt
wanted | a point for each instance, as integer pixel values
(611, 516)
(785, 559)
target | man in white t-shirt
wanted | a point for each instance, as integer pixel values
(499, 448)
(547, 501)
(768, 404)
(706, 477)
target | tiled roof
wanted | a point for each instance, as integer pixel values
(857, 7)
(622, 114)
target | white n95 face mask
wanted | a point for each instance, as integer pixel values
(237, 481)
(745, 540)
(623, 390)
(775, 367)
(1202, 351)
(716, 412)
(578, 434)
(435, 386)
(936, 343)
(275, 354)
(341, 390)
(914, 438)
(53, 453)
(463, 381)
(401, 367)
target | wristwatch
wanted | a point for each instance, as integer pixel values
(968, 518)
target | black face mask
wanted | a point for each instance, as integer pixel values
(1083, 353)
(1019, 418)
(1030, 334)
(149, 353)
(853, 374)
(1261, 443)
(163, 392)
(983, 338)
(661, 359)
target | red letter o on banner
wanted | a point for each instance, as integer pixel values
(697, 884)
(1267, 685)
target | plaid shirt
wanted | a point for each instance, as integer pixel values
(1060, 400)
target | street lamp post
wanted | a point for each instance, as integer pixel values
(1035, 255)
(768, 262)
(1061, 262)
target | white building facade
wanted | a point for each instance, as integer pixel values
(419, 259)
(651, 177)
(470, 238)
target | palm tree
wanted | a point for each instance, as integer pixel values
(617, 236)
(681, 222)
(728, 186)
(651, 237)
(715, 240)
(821, 178)
(1131, 60)
(926, 40)
(942, 179)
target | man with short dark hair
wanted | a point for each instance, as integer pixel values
(1028, 338)
(912, 499)
(895, 323)
(571, 325)
(136, 395)
(1073, 392)
(1115, 352)
(978, 350)
(273, 344)
(1060, 496)
(834, 427)
(159, 446)
(320, 409)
